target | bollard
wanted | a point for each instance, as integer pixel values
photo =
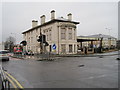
(8, 85)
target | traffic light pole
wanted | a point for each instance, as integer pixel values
(101, 44)
(43, 43)
(40, 43)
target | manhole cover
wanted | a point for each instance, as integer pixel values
(117, 58)
(81, 65)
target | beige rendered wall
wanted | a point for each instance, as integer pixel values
(32, 36)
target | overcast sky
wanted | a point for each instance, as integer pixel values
(94, 17)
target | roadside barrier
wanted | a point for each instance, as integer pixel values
(5, 81)
(8, 80)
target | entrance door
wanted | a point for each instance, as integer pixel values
(50, 48)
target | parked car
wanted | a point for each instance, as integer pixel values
(4, 55)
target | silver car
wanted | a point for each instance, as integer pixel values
(4, 55)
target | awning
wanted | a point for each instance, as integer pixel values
(85, 40)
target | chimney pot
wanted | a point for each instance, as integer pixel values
(52, 14)
(34, 23)
(69, 16)
(42, 19)
(52, 11)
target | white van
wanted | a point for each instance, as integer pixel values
(4, 55)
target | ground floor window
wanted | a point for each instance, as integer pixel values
(74, 48)
(70, 48)
(63, 48)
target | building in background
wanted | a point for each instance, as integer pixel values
(60, 34)
(118, 44)
(2, 46)
(91, 41)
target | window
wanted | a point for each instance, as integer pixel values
(74, 34)
(50, 36)
(36, 36)
(31, 39)
(36, 30)
(70, 48)
(70, 33)
(63, 32)
(43, 31)
(74, 48)
(31, 32)
(63, 48)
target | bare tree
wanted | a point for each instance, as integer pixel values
(9, 43)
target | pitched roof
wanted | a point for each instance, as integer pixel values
(60, 19)
(98, 36)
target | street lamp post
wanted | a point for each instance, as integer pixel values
(15, 36)
(100, 44)
(101, 39)
(109, 38)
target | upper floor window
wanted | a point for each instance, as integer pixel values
(74, 34)
(50, 35)
(31, 39)
(70, 33)
(63, 33)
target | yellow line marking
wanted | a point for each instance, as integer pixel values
(11, 82)
(14, 80)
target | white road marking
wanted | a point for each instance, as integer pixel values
(91, 77)
(99, 76)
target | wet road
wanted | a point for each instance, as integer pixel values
(66, 72)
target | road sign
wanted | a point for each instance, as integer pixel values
(54, 46)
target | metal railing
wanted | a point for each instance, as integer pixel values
(8, 80)
(5, 81)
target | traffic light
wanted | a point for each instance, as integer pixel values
(24, 43)
(46, 44)
(42, 38)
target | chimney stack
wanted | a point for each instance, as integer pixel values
(34, 23)
(52, 14)
(69, 16)
(42, 19)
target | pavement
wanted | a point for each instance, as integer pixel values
(91, 55)
(66, 72)
(70, 55)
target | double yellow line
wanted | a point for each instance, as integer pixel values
(12, 80)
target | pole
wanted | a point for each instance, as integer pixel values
(58, 40)
(42, 45)
(101, 44)
(40, 42)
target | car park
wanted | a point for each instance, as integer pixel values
(4, 55)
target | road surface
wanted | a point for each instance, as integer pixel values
(66, 72)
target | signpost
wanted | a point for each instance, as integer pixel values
(54, 47)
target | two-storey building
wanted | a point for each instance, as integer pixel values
(60, 32)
